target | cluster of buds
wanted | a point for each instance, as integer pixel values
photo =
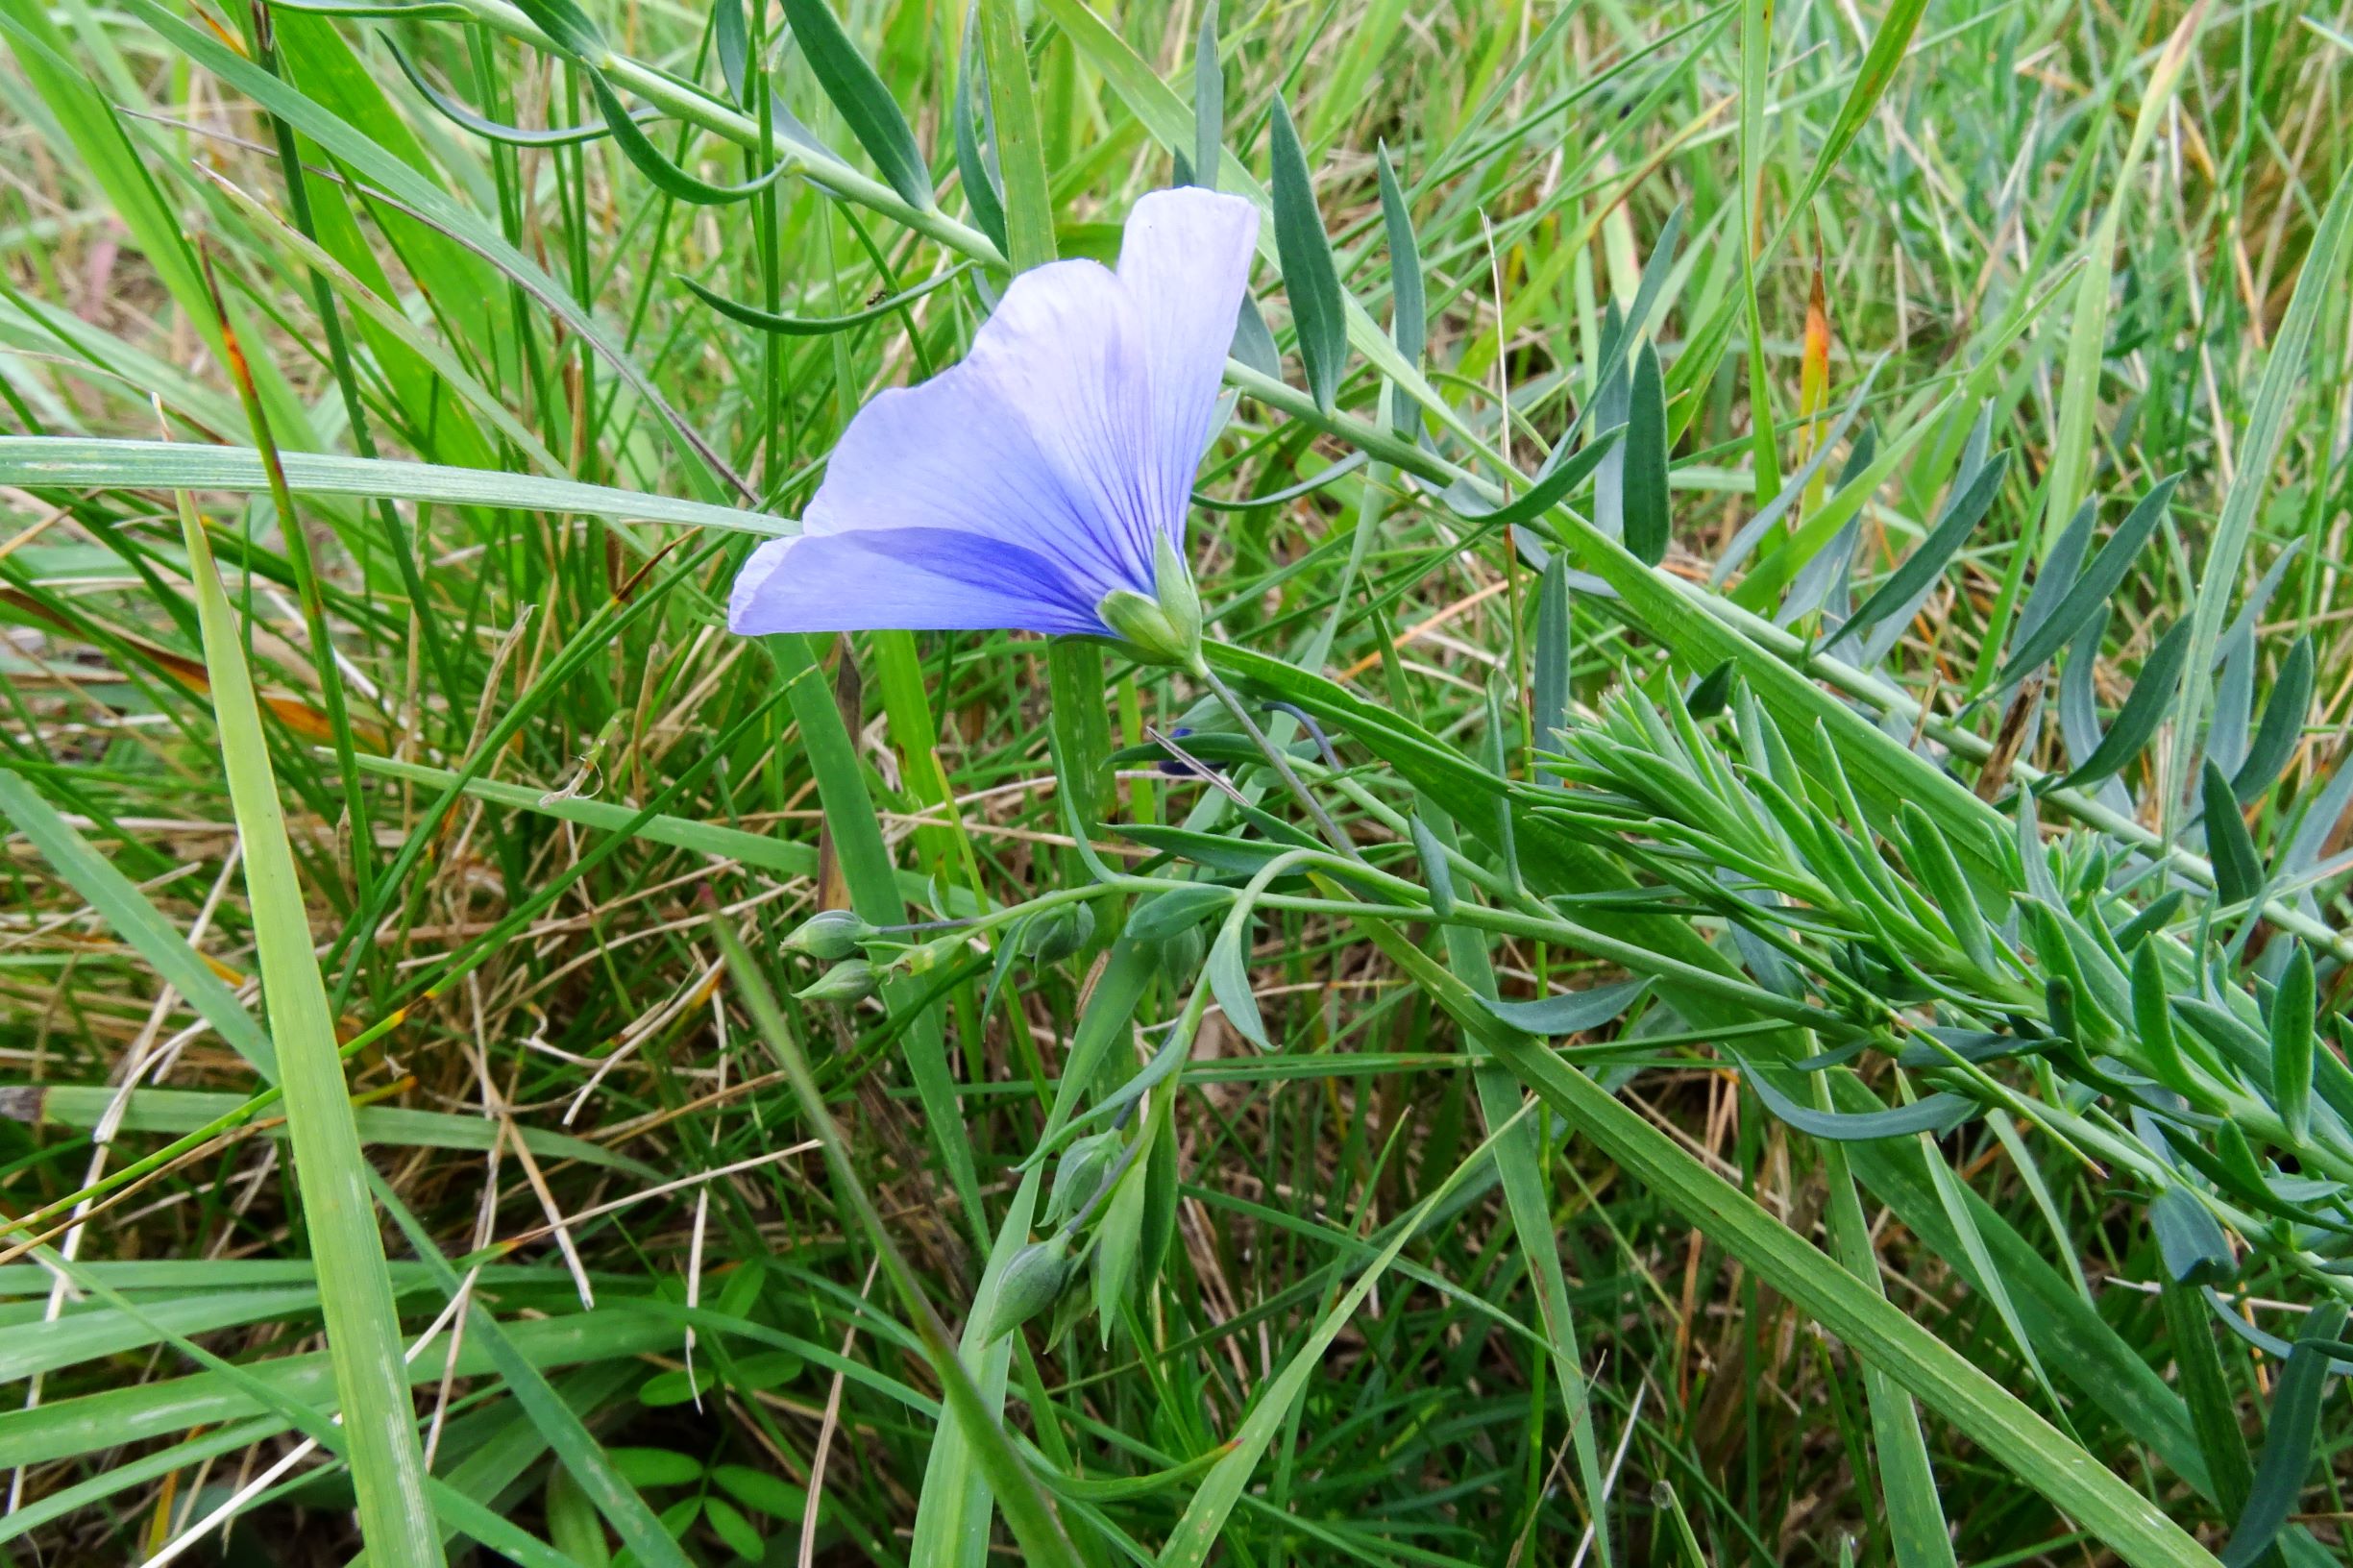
(834, 937)
(846, 942)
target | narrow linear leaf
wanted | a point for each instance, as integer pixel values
(1229, 978)
(1648, 525)
(512, 135)
(2092, 591)
(1925, 565)
(866, 105)
(1435, 868)
(2206, 1394)
(2058, 574)
(732, 43)
(1917, 1528)
(2292, 1044)
(1551, 487)
(1888, 43)
(1209, 101)
(2319, 281)
(161, 465)
(1934, 1115)
(2238, 871)
(1549, 689)
(1308, 276)
(1407, 320)
(2152, 1018)
(974, 169)
(2282, 728)
(2190, 1240)
(568, 28)
(656, 165)
(1571, 1012)
(2287, 1439)
(2137, 720)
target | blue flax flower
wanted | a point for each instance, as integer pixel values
(1041, 485)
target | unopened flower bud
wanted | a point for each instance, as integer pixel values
(1146, 628)
(1057, 934)
(1172, 585)
(1037, 1275)
(829, 935)
(1083, 1165)
(1181, 954)
(849, 981)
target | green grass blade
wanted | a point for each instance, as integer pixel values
(362, 1331)
(1021, 156)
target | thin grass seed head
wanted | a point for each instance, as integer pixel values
(1041, 485)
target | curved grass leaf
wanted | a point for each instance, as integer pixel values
(975, 170)
(1889, 41)
(1305, 487)
(32, 462)
(511, 136)
(769, 321)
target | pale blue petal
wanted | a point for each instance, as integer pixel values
(1020, 486)
(911, 580)
(1040, 438)
(1185, 263)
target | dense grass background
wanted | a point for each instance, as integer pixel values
(402, 852)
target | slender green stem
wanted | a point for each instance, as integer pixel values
(1282, 764)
